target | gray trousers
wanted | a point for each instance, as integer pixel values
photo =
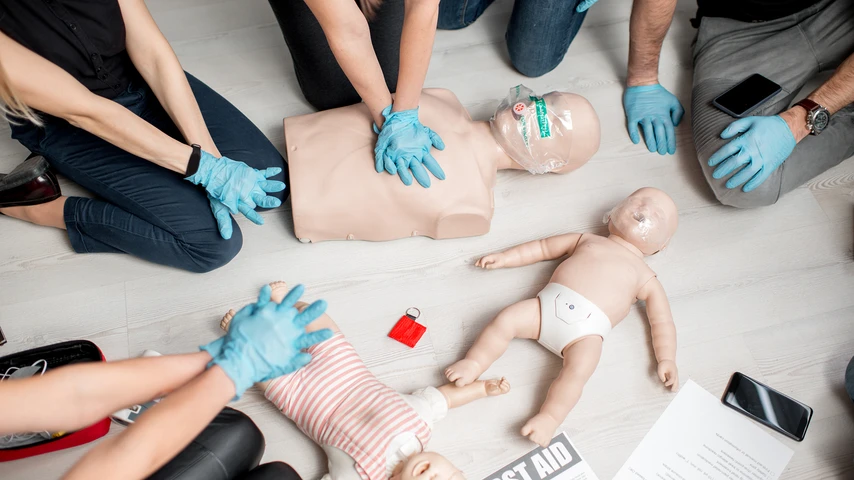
(788, 51)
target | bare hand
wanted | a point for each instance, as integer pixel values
(669, 374)
(491, 262)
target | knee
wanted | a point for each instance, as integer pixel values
(735, 197)
(207, 250)
(272, 471)
(532, 65)
(235, 441)
(326, 99)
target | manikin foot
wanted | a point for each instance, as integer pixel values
(541, 429)
(463, 372)
(496, 386)
(280, 289)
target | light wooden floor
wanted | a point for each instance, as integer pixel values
(769, 292)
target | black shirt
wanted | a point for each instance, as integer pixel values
(86, 38)
(751, 10)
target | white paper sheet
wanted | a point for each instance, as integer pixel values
(559, 461)
(697, 437)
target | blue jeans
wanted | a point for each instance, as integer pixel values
(142, 209)
(538, 35)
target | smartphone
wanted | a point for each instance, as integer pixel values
(746, 96)
(767, 406)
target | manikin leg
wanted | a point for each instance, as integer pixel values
(579, 363)
(520, 320)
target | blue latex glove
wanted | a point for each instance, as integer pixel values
(403, 145)
(223, 217)
(265, 340)
(239, 187)
(584, 5)
(764, 144)
(658, 112)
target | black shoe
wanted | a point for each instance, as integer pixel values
(30, 183)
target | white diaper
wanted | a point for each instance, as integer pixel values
(567, 316)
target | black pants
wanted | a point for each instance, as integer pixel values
(229, 448)
(320, 78)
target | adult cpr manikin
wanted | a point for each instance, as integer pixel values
(337, 194)
(367, 430)
(589, 293)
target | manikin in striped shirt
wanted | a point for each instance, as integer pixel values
(368, 430)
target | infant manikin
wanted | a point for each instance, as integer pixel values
(367, 430)
(589, 293)
(337, 194)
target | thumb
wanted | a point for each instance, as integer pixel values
(739, 126)
(676, 113)
(634, 134)
(661, 374)
(437, 141)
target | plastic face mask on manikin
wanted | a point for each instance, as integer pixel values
(640, 221)
(531, 132)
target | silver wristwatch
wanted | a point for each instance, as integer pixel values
(817, 116)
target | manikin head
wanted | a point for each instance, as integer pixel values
(427, 466)
(557, 132)
(647, 219)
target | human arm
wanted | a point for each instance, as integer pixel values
(160, 434)
(57, 93)
(349, 38)
(646, 102)
(416, 46)
(76, 396)
(663, 331)
(532, 252)
(155, 60)
(760, 144)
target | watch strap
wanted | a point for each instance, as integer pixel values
(808, 104)
(195, 158)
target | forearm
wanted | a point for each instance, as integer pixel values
(663, 332)
(648, 26)
(540, 250)
(416, 47)
(349, 38)
(161, 433)
(834, 94)
(459, 396)
(76, 396)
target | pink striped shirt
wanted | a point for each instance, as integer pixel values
(337, 401)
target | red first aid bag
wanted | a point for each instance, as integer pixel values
(56, 355)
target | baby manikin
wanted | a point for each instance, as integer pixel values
(337, 194)
(589, 293)
(367, 430)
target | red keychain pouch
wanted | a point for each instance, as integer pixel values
(56, 355)
(407, 331)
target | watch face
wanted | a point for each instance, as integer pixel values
(820, 120)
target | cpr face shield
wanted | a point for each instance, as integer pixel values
(642, 222)
(532, 131)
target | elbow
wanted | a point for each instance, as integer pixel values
(348, 33)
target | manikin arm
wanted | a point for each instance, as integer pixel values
(663, 331)
(459, 396)
(532, 252)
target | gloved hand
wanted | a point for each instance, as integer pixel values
(584, 5)
(265, 339)
(765, 143)
(404, 144)
(239, 187)
(658, 112)
(223, 217)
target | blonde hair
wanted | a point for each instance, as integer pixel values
(12, 105)
(370, 7)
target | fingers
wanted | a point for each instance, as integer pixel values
(264, 296)
(313, 338)
(292, 297)
(634, 134)
(758, 179)
(436, 140)
(310, 313)
(671, 137)
(660, 135)
(250, 213)
(271, 172)
(744, 175)
(739, 126)
(433, 166)
(583, 6)
(223, 219)
(648, 134)
(390, 167)
(724, 152)
(403, 172)
(676, 113)
(731, 164)
(378, 159)
(662, 375)
(420, 173)
(265, 201)
(300, 360)
(271, 186)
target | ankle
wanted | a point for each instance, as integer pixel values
(49, 214)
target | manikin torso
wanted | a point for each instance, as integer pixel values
(605, 272)
(336, 194)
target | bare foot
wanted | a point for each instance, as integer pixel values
(463, 372)
(226, 319)
(280, 289)
(540, 429)
(496, 387)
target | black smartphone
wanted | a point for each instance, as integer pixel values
(767, 406)
(746, 96)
